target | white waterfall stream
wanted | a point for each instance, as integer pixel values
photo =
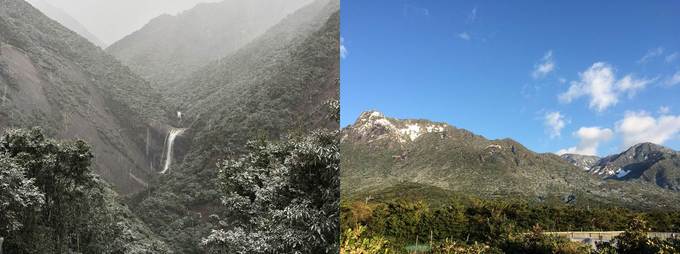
(170, 140)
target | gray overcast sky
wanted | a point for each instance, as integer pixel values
(111, 20)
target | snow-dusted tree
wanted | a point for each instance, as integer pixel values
(17, 195)
(281, 197)
(60, 171)
(51, 202)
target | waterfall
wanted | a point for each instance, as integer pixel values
(170, 140)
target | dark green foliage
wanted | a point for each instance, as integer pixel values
(71, 209)
(453, 247)
(281, 198)
(514, 226)
(635, 240)
(535, 242)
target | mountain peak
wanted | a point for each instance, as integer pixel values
(647, 161)
(370, 115)
(374, 125)
(648, 147)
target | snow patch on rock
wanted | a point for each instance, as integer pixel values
(622, 173)
(403, 130)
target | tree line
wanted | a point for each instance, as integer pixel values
(473, 225)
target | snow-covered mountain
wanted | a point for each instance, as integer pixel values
(381, 154)
(646, 162)
(373, 125)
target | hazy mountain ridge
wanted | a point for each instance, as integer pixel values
(277, 84)
(53, 78)
(646, 162)
(171, 47)
(66, 20)
(268, 86)
(456, 160)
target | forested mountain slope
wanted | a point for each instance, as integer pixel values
(53, 78)
(276, 85)
(383, 154)
(171, 47)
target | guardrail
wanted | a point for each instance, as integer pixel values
(609, 235)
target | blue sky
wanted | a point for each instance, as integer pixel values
(589, 77)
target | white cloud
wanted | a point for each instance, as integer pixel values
(600, 84)
(672, 57)
(343, 49)
(546, 66)
(630, 85)
(597, 83)
(472, 16)
(639, 127)
(590, 139)
(464, 36)
(652, 53)
(673, 80)
(554, 122)
(664, 110)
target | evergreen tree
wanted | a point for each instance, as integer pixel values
(281, 197)
(51, 202)
(17, 196)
